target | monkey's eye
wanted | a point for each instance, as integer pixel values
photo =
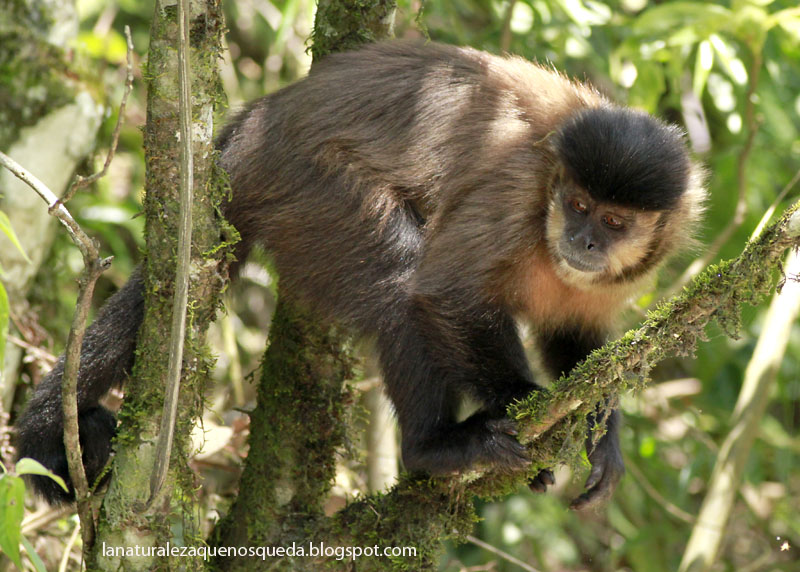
(578, 205)
(612, 222)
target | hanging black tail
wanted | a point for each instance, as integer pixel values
(107, 356)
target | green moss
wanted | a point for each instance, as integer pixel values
(347, 24)
(417, 512)
(673, 328)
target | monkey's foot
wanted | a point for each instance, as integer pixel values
(607, 471)
(540, 482)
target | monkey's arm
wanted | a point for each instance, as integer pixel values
(561, 351)
(431, 355)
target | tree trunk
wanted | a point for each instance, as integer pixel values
(128, 520)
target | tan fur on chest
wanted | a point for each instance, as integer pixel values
(548, 301)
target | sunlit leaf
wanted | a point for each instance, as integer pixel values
(585, 14)
(702, 66)
(521, 18)
(543, 9)
(788, 20)
(665, 18)
(648, 447)
(27, 466)
(12, 496)
(732, 65)
(110, 46)
(5, 228)
(722, 92)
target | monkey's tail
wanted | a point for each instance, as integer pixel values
(107, 356)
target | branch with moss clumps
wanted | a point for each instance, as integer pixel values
(553, 422)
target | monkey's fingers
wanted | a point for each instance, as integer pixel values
(540, 482)
(502, 448)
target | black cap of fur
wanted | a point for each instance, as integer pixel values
(625, 157)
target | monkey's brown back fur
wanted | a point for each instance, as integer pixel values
(382, 132)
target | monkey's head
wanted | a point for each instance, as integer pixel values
(625, 195)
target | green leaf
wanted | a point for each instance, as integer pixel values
(12, 495)
(732, 65)
(788, 19)
(647, 448)
(585, 13)
(29, 466)
(649, 86)
(110, 47)
(5, 227)
(35, 560)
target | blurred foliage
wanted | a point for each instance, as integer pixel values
(688, 61)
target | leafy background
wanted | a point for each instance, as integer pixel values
(681, 60)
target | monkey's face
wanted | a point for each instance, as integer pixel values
(594, 241)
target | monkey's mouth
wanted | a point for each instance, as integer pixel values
(581, 264)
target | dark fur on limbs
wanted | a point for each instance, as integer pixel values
(421, 195)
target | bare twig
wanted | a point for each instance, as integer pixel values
(505, 33)
(500, 553)
(672, 509)
(43, 518)
(62, 567)
(39, 353)
(93, 267)
(771, 210)
(54, 206)
(82, 182)
(178, 328)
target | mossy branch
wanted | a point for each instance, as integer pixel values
(545, 418)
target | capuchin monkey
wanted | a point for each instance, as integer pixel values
(428, 197)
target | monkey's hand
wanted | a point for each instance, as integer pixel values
(607, 470)
(478, 440)
(500, 446)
